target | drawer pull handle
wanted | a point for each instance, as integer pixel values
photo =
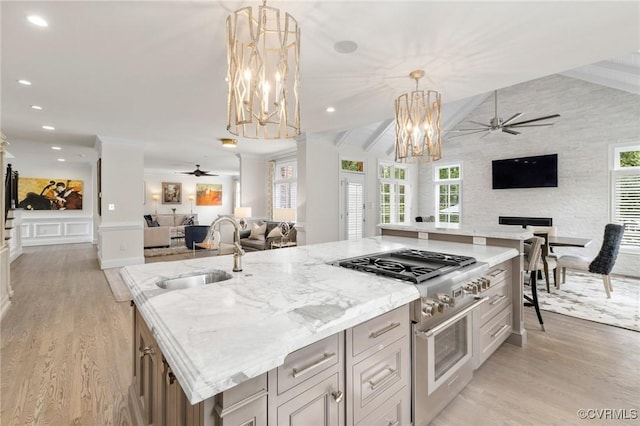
(388, 328)
(503, 328)
(385, 379)
(222, 412)
(393, 422)
(338, 396)
(327, 357)
(170, 377)
(147, 350)
(498, 299)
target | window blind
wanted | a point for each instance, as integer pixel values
(627, 206)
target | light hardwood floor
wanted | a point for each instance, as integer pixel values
(65, 357)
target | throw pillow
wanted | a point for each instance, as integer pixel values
(257, 231)
(188, 221)
(148, 219)
(275, 232)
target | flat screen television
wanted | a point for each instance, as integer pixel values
(525, 172)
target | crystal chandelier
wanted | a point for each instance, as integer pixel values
(418, 125)
(263, 73)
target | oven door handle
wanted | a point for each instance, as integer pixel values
(430, 332)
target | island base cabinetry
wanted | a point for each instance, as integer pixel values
(356, 377)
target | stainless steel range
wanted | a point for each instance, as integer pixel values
(451, 288)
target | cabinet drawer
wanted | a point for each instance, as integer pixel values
(499, 298)
(254, 413)
(395, 411)
(318, 405)
(378, 377)
(384, 328)
(494, 333)
(308, 361)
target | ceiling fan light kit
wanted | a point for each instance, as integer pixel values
(417, 125)
(263, 73)
(507, 126)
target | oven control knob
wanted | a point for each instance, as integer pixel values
(428, 310)
(471, 288)
(446, 299)
(486, 282)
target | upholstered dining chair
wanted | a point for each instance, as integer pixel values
(602, 264)
(548, 258)
(533, 264)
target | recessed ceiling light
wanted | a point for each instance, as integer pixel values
(48, 127)
(331, 109)
(38, 107)
(37, 20)
(61, 159)
(345, 46)
(24, 82)
(56, 148)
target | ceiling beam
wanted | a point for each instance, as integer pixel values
(341, 138)
(377, 135)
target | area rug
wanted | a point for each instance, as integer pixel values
(177, 247)
(118, 288)
(582, 296)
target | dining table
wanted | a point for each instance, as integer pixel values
(559, 241)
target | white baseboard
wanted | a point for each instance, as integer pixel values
(116, 263)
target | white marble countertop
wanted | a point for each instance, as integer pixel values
(509, 232)
(219, 335)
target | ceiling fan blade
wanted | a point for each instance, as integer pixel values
(535, 119)
(513, 132)
(529, 125)
(468, 130)
(480, 124)
(465, 134)
(510, 119)
(186, 173)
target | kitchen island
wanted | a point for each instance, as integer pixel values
(218, 336)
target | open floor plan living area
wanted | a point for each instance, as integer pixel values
(301, 213)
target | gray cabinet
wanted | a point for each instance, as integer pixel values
(308, 388)
(493, 321)
(378, 369)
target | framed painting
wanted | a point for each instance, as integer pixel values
(171, 193)
(208, 194)
(49, 194)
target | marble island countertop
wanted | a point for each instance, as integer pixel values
(219, 335)
(509, 232)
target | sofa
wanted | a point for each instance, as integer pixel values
(161, 228)
(262, 239)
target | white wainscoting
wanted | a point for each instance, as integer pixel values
(56, 230)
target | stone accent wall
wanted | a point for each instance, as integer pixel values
(593, 118)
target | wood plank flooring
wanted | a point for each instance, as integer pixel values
(65, 357)
(65, 343)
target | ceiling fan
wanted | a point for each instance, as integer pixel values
(197, 172)
(508, 126)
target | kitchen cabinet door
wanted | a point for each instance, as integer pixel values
(317, 406)
(147, 372)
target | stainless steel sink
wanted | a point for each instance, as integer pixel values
(194, 280)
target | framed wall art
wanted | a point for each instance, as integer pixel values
(49, 194)
(208, 194)
(171, 193)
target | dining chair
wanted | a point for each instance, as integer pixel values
(533, 264)
(548, 258)
(602, 264)
(211, 241)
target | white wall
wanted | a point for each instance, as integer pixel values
(254, 184)
(206, 214)
(592, 118)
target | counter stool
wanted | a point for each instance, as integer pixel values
(533, 264)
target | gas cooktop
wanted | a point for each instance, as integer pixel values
(416, 266)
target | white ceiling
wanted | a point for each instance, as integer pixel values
(154, 72)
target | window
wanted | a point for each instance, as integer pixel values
(394, 192)
(352, 166)
(448, 181)
(625, 188)
(285, 185)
